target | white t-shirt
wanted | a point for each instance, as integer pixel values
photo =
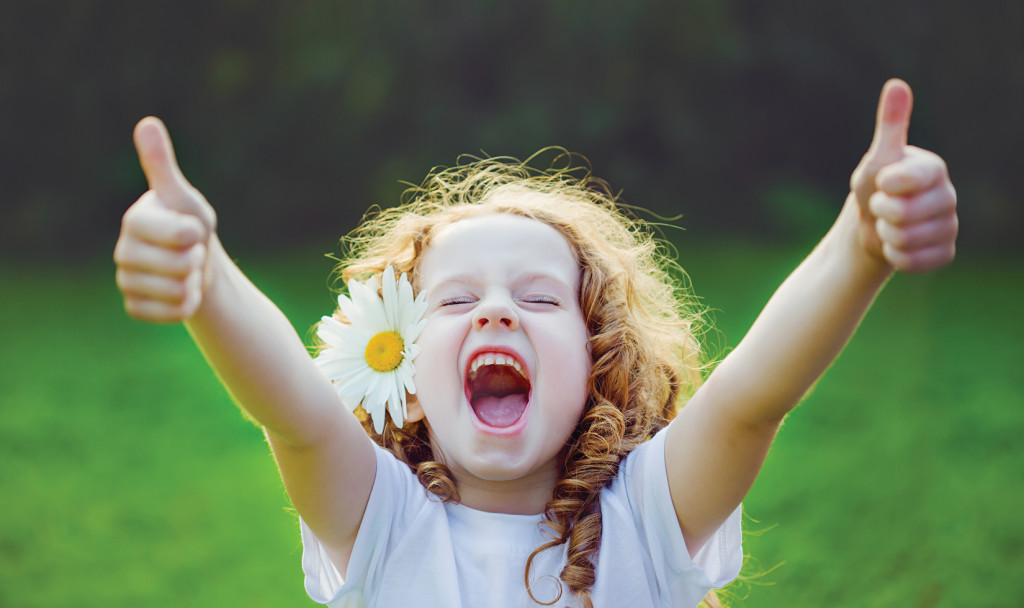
(413, 550)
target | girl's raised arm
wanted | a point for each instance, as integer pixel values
(171, 267)
(900, 214)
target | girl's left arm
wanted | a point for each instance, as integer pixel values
(900, 215)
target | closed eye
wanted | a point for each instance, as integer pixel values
(456, 300)
(552, 300)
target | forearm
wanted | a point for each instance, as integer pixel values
(259, 357)
(901, 214)
(803, 328)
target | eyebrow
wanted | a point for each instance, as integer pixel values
(539, 276)
(526, 277)
(456, 278)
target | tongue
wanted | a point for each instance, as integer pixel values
(500, 411)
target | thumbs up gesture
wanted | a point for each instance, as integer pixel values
(906, 201)
(163, 249)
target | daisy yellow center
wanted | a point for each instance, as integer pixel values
(384, 351)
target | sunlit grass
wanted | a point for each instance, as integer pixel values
(898, 481)
(129, 479)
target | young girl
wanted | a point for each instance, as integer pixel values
(528, 441)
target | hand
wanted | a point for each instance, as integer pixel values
(163, 249)
(906, 200)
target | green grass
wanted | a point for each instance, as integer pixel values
(129, 479)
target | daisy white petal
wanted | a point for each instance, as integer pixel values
(371, 308)
(354, 388)
(412, 331)
(330, 330)
(405, 371)
(375, 402)
(347, 306)
(410, 353)
(405, 296)
(390, 296)
(370, 357)
(396, 402)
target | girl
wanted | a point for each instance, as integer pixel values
(528, 458)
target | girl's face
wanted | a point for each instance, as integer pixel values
(503, 367)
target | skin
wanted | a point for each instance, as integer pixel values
(498, 282)
(900, 215)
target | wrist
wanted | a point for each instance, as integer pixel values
(216, 278)
(856, 242)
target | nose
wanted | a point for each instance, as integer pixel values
(495, 312)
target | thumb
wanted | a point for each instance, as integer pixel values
(889, 141)
(891, 124)
(156, 155)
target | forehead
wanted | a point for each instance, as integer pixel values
(498, 244)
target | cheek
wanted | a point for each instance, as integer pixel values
(437, 363)
(585, 365)
(572, 369)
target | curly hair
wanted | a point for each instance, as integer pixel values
(642, 319)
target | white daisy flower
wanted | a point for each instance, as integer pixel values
(369, 359)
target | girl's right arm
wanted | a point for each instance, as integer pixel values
(172, 267)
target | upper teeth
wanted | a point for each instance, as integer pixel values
(493, 359)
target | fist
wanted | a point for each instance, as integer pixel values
(906, 200)
(163, 249)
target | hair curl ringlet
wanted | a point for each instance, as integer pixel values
(636, 303)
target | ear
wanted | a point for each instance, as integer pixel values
(413, 408)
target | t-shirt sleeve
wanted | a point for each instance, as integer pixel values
(393, 486)
(644, 480)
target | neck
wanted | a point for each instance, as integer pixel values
(523, 496)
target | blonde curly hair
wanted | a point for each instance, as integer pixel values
(641, 316)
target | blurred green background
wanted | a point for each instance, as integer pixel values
(128, 478)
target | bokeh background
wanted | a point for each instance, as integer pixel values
(128, 478)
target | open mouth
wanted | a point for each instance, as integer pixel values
(497, 388)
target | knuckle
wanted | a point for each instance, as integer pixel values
(152, 311)
(916, 264)
(137, 212)
(946, 254)
(882, 228)
(897, 258)
(895, 210)
(135, 308)
(899, 239)
(897, 213)
(124, 251)
(877, 204)
(950, 196)
(889, 174)
(198, 256)
(128, 219)
(190, 231)
(178, 292)
(175, 264)
(857, 176)
(123, 279)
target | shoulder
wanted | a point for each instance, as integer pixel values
(641, 486)
(640, 516)
(397, 504)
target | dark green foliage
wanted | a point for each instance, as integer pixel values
(295, 117)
